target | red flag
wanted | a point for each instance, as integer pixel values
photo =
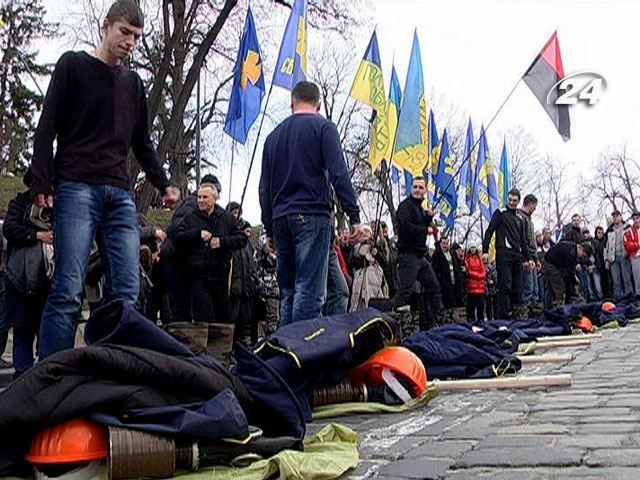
(545, 72)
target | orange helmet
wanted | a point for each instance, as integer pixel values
(400, 361)
(608, 306)
(585, 325)
(78, 440)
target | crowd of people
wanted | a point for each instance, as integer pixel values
(207, 267)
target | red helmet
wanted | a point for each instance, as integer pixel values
(400, 361)
(608, 306)
(585, 325)
(78, 440)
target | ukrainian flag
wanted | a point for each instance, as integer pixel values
(393, 109)
(446, 185)
(431, 170)
(504, 182)
(486, 178)
(412, 141)
(248, 85)
(291, 66)
(368, 88)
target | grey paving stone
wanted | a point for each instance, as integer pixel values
(441, 448)
(493, 474)
(537, 429)
(594, 441)
(516, 441)
(423, 468)
(521, 457)
(614, 457)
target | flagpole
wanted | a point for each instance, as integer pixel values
(255, 146)
(233, 150)
(466, 158)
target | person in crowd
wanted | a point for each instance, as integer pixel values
(152, 274)
(209, 237)
(604, 275)
(413, 264)
(268, 287)
(391, 273)
(559, 261)
(573, 231)
(368, 274)
(301, 159)
(617, 259)
(346, 249)
(547, 240)
(632, 247)
(94, 111)
(583, 269)
(337, 296)
(595, 265)
(448, 268)
(511, 249)
(29, 235)
(491, 299)
(4, 321)
(243, 291)
(540, 252)
(529, 293)
(174, 262)
(476, 286)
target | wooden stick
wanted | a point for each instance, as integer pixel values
(529, 359)
(579, 336)
(583, 342)
(502, 382)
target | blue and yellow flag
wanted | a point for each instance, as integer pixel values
(486, 178)
(248, 85)
(468, 179)
(431, 169)
(368, 87)
(446, 185)
(412, 141)
(291, 66)
(504, 182)
(393, 109)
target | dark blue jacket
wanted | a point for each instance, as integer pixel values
(302, 157)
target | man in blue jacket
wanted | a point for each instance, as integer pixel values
(301, 160)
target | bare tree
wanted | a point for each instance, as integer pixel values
(557, 196)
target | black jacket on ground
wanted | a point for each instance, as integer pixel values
(452, 293)
(203, 260)
(412, 226)
(563, 256)
(510, 233)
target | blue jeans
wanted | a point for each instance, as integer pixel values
(4, 321)
(541, 288)
(337, 288)
(595, 287)
(83, 212)
(621, 273)
(302, 244)
(529, 293)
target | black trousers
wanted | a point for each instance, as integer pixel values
(240, 312)
(555, 286)
(475, 308)
(177, 284)
(509, 269)
(412, 267)
(210, 300)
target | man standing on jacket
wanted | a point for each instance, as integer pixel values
(511, 248)
(210, 235)
(616, 258)
(95, 110)
(413, 222)
(632, 246)
(301, 160)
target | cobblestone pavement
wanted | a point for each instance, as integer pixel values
(588, 430)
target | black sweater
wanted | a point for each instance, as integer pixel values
(511, 237)
(412, 226)
(96, 113)
(563, 256)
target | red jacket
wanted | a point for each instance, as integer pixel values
(476, 275)
(631, 242)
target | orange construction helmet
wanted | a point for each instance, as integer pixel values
(585, 325)
(608, 306)
(75, 441)
(398, 360)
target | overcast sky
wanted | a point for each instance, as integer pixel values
(474, 51)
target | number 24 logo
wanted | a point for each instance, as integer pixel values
(582, 86)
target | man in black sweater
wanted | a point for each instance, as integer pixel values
(511, 251)
(413, 265)
(95, 110)
(560, 261)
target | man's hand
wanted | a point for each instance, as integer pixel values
(41, 201)
(271, 246)
(539, 266)
(160, 234)
(170, 197)
(485, 257)
(591, 269)
(607, 265)
(45, 237)
(430, 211)
(532, 265)
(357, 234)
(214, 243)
(578, 268)
(205, 235)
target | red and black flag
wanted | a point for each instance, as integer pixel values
(543, 75)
